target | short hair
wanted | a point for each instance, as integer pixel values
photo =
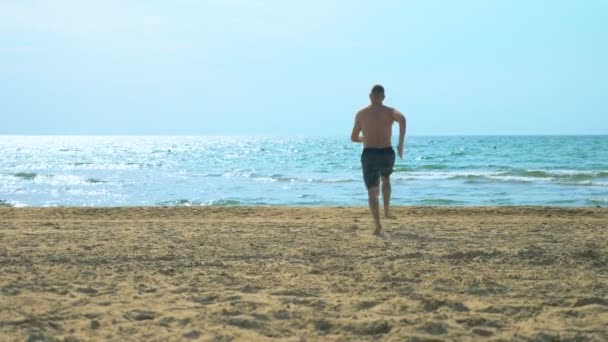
(378, 90)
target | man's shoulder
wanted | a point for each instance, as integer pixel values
(389, 109)
(393, 111)
(363, 111)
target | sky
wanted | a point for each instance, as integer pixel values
(276, 67)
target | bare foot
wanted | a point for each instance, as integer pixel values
(381, 235)
(390, 217)
(378, 231)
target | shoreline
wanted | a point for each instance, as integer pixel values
(264, 206)
(8, 204)
(272, 210)
(292, 274)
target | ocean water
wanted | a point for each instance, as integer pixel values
(299, 171)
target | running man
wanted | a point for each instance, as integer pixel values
(376, 122)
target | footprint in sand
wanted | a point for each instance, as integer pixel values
(482, 332)
(193, 334)
(295, 293)
(95, 324)
(367, 304)
(249, 288)
(281, 314)
(166, 321)
(244, 323)
(370, 328)
(87, 290)
(434, 328)
(208, 299)
(140, 315)
(590, 301)
(475, 322)
(514, 311)
(323, 325)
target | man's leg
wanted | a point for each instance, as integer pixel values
(373, 194)
(386, 195)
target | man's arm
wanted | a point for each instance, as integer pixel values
(354, 136)
(397, 116)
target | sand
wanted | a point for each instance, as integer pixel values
(303, 274)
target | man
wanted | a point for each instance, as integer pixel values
(378, 157)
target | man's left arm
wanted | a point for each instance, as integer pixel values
(400, 118)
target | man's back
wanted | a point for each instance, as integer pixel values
(376, 122)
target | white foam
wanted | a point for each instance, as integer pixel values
(516, 179)
(439, 175)
(17, 204)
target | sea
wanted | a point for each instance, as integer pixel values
(41, 171)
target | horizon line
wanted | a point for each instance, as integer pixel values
(297, 135)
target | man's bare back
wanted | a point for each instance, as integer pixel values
(376, 123)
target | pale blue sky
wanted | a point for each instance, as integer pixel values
(276, 67)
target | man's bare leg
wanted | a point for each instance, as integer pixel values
(386, 196)
(373, 194)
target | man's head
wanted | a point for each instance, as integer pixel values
(377, 94)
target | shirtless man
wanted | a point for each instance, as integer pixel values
(378, 157)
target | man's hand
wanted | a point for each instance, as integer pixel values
(400, 151)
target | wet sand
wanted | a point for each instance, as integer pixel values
(303, 274)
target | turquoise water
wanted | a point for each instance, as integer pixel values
(299, 171)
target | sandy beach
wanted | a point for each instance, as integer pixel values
(303, 274)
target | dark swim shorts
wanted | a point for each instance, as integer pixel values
(377, 162)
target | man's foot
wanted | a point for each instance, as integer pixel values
(381, 235)
(378, 231)
(390, 217)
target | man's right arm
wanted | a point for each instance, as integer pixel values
(397, 116)
(354, 136)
